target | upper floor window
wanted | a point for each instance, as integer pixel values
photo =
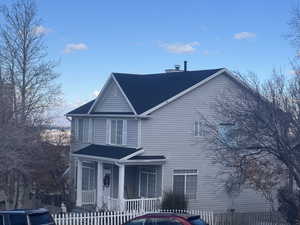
(117, 132)
(83, 130)
(199, 129)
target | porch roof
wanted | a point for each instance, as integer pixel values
(107, 151)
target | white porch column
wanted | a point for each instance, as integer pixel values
(79, 184)
(99, 184)
(121, 186)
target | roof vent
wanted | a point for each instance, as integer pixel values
(176, 69)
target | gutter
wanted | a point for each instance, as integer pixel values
(107, 115)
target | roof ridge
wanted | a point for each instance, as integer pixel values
(165, 73)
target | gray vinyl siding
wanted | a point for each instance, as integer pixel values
(132, 133)
(112, 100)
(99, 131)
(169, 131)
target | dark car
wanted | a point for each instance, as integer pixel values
(26, 217)
(167, 219)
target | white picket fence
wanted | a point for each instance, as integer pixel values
(117, 218)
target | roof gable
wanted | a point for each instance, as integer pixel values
(111, 100)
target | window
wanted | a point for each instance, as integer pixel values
(117, 132)
(40, 218)
(163, 221)
(197, 222)
(83, 130)
(185, 183)
(148, 183)
(137, 222)
(1, 220)
(88, 176)
(18, 219)
(199, 129)
(80, 130)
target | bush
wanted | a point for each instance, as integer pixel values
(172, 200)
(289, 205)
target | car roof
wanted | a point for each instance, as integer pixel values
(24, 211)
(162, 214)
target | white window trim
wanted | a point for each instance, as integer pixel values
(124, 132)
(200, 132)
(185, 174)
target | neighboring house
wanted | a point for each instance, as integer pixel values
(142, 136)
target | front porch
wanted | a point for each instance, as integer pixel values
(126, 185)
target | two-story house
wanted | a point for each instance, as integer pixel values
(142, 136)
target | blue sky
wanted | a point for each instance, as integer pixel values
(93, 38)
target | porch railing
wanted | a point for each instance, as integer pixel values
(142, 204)
(89, 197)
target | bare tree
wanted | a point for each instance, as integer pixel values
(33, 90)
(25, 64)
(255, 133)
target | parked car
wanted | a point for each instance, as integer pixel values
(167, 219)
(26, 217)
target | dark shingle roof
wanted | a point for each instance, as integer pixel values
(147, 91)
(83, 109)
(106, 151)
(147, 157)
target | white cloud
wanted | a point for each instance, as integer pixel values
(96, 93)
(42, 30)
(244, 35)
(75, 47)
(180, 48)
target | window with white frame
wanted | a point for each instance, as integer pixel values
(117, 132)
(148, 183)
(199, 129)
(84, 130)
(88, 176)
(185, 183)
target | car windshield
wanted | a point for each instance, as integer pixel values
(40, 219)
(197, 222)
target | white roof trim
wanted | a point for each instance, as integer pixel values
(95, 157)
(108, 115)
(183, 92)
(143, 162)
(123, 94)
(131, 155)
(100, 93)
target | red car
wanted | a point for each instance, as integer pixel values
(166, 219)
